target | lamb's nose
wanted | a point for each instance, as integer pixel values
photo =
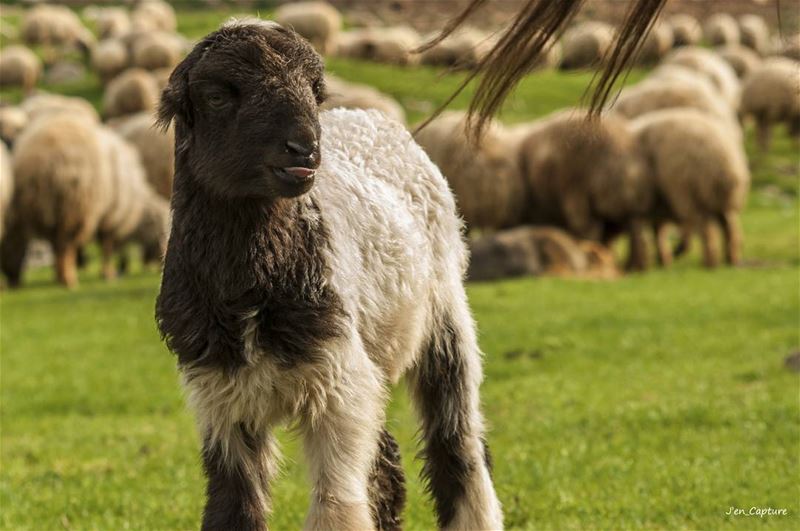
(304, 149)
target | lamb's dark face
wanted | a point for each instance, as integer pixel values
(246, 105)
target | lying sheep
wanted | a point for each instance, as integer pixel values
(588, 177)
(153, 15)
(301, 295)
(586, 45)
(771, 95)
(19, 67)
(132, 91)
(319, 22)
(110, 58)
(754, 33)
(157, 50)
(701, 177)
(718, 71)
(12, 121)
(535, 251)
(486, 180)
(43, 104)
(655, 46)
(61, 192)
(6, 185)
(721, 29)
(686, 30)
(156, 148)
(743, 60)
(356, 96)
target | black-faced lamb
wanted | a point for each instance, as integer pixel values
(313, 259)
(701, 178)
(771, 95)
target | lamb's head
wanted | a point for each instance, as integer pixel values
(246, 107)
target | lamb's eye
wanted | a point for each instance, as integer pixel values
(216, 100)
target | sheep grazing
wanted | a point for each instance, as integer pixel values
(686, 30)
(721, 29)
(356, 96)
(6, 185)
(110, 58)
(19, 67)
(55, 25)
(743, 60)
(701, 178)
(133, 91)
(295, 289)
(489, 190)
(770, 95)
(586, 45)
(43, 104)
(12, 121)
(754, 33)
(393, 45)
(535, 251)
(153, 15)
(157, 50)
(463, 49)
(711, 65)
(655, 46)
(152, 230)
(60, 192)
(319, 22)
(587, 176)
(156, 148)
(112, 22)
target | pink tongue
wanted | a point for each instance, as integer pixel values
(298, 171)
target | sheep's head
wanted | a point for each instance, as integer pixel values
(246, 107)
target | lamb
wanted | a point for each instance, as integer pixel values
(6, 185)
(743, 60)
(156, 50)
(153, 15)
(655, 46)
(489, 190)
(319, 22)
(706, 62)
(588, 177)
(357, 96)
(754, 33)
(297, 289)
(721, 29)
(771, 94)
(530, 250)
(156, 148)
(110, 58)
(701, 177)
(19, 67)
(132, 91)
(586, 45)
(61, 192)
(686, 30)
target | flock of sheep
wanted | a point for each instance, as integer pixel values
(546, 197)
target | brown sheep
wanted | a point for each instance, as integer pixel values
(132, 91)
(721, 29)
(588, 177)
(156, 148)
(743, 60)
(19, 67)
(486, 180)
(686, 30)
(318, 22)
(771, 94)
(586, 45)
(532, 250)
(701, 177)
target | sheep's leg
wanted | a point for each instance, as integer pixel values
(108, 247)
(67, 264)
(732, 231)
(662, 244)
(457, 466)
(709, 239)
(387, 489)
(686, 240)
(763, 133)
(238, 473)
(637, 260)
(342, 441)
(13, 248)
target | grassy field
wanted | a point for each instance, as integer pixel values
(655, 401)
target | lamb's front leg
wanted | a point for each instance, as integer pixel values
(341, 442)
(238, 471)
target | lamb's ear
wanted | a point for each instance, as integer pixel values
(175, 102)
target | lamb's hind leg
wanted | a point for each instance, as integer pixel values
(732, 231)
(387, 489)
(445, 388)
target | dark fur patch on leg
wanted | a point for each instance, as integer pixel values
(487, 456)
(387, 486)
(236, 489)
(443, 406)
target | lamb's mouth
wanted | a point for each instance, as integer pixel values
(295, 175)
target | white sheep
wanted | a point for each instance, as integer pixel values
(19, 67)
(771, 95)
(708, 63)
(319, 22)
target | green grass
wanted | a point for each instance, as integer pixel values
(655, 401)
